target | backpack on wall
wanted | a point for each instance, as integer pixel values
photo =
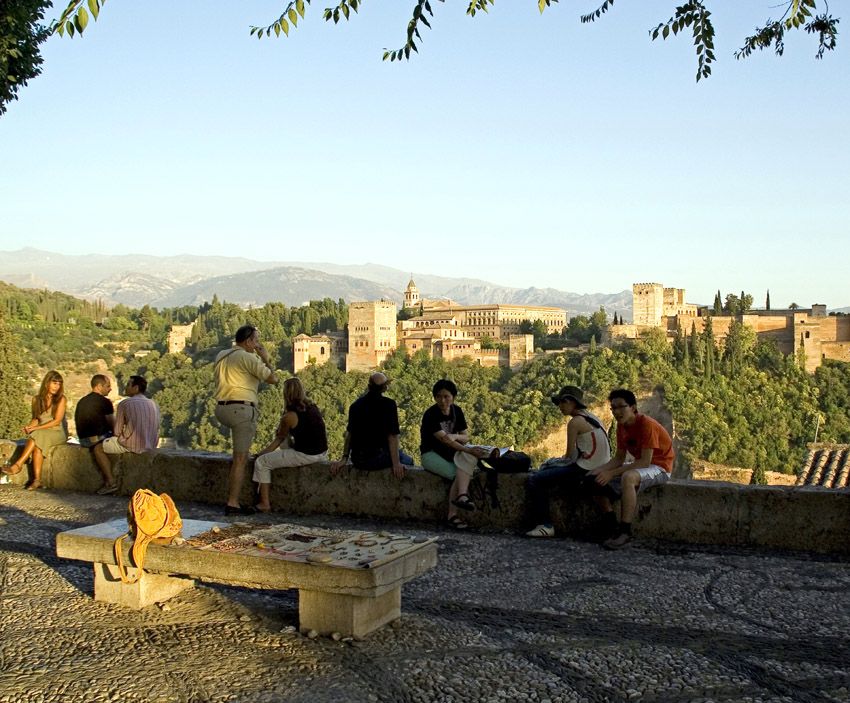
(511, 462)
(150, 518)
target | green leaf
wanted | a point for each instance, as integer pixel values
(81, 20)
(541, 5)
(277, 29)
(293, 17)
(299, 5)
(665, 32)
(70, 27)
(345, 10)
(94, 6)
(284, 25)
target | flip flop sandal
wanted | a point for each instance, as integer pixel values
(456, 523)
(463, 502)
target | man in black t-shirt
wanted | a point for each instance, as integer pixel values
(372, 434)
(94, 418)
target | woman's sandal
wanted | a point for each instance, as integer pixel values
(7, 469)
(463, 502)
(33, 485)
(456, 523)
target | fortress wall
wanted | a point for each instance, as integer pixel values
(838, 351)
(813, 519)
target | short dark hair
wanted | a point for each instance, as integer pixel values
(244, 333)
(139, 382)
(623, 394)
(98, 380)
(444, 384)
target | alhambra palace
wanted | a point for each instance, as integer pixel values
(442, 328)
(809, 332)
(449, 331)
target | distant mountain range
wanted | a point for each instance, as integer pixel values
(168, 281)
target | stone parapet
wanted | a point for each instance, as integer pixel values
(788, 517)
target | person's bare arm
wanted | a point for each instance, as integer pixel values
(288, 422)
(458, 442)
(610, 469)
(58, 416)
(337, 466)
(271, 379)
(576, 426)
(398, 468)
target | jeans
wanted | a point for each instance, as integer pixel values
(381, 460)
(541, 483)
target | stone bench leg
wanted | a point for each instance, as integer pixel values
(150, 589)
(350, 616)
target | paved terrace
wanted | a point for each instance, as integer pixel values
(501, 618)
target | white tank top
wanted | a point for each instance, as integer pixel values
(593, 447)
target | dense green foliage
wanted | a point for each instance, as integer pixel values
(28, 305)
(13, 383)
(744, 404)
(21, 33)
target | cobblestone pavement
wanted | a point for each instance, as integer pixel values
(501, 618)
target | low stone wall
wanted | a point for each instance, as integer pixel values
(813, 519)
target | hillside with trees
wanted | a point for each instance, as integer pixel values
(745, 404)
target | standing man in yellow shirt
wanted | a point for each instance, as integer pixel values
(238, 372)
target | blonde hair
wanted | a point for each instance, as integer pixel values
(40, 403)
(294, 395)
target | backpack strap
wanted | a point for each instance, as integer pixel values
(593, 421)
(224, 356)
(119, 560)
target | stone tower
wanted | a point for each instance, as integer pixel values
(371, 334)
(647, 304)
(411, 295)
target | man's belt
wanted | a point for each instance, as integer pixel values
(237, 402)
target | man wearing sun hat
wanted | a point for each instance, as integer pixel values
(587, 448)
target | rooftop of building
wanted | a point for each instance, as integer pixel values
(827, 466)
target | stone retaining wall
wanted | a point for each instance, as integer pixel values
(814, 519)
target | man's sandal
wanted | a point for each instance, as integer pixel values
(456, 523)
(463, 502)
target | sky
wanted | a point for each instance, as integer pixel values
(522, 149)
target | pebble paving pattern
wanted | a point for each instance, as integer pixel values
(501, 618)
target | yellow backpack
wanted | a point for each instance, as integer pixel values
(151, 518)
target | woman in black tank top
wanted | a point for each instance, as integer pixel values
(300, 439)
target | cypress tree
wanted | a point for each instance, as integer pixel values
(718, 303)
(695, 345)
(593, 344)
(767, 300)
(710, 349)
(13, 383)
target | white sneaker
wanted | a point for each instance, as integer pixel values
(541, 531)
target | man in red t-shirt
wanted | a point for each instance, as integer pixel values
(651, 449)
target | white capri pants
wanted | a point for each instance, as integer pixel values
(283, 458)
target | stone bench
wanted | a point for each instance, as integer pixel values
(343, 596)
